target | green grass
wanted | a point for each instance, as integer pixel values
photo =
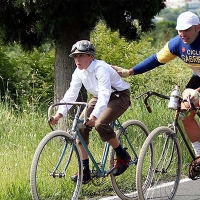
(19, 137)
(20, 133)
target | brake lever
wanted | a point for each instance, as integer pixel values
(49, 122)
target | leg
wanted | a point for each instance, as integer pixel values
(190, 125)
(114, 142)
(85, 134)
(118, 104)
(132, 135)
(192, 128)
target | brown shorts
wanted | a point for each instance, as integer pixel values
(117, 105)
(194, 82)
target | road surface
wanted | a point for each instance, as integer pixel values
(187, 190)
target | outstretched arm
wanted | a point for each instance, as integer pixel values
(144, 66)
(155, 60)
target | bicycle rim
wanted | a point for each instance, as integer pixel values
(159, 177)
(48, 183)
(136, 133)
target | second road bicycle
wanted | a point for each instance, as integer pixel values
(160, 160)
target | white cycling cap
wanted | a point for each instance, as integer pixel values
(186, 19)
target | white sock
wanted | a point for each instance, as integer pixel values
(196, 147)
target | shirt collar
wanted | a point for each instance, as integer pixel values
(91, 66)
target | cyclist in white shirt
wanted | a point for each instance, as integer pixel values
(110, 99)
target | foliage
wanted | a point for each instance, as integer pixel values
(30, 74)
(6, 74)
(117, 51)
(28, 78)
(33, 72)
(31, 23)
(165, 26)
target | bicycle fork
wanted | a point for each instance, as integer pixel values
(54, 174)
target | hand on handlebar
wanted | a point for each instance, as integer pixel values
(192, 94)
(91, 121)
(54, 119)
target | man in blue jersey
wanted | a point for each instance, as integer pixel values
(186, 45)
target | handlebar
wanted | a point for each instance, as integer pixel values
(148, 94)
(79, 104)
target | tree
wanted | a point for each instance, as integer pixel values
(31, 23)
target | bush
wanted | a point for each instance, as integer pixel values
(29, 76)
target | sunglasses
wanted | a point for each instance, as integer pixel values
(81, 47)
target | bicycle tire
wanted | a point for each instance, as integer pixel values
(48, 185)
(124, 185)
(163, 148)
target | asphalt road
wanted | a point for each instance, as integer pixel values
(187, 190)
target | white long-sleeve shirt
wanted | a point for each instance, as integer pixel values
(98, 79)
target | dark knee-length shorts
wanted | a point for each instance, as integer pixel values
(194, 82)
(117, 105)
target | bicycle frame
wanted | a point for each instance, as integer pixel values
(74, 132)
(58, 155)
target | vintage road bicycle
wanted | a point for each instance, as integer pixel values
(159, 166)
(57, 158)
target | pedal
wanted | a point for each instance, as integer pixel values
(109, 171)
(58, 175)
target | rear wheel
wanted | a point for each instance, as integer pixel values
(55, 160)
(132, 138)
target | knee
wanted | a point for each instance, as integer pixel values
(105, 131)
(101, 128)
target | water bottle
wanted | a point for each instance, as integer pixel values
(174, 98)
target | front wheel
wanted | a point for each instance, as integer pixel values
(55, 160)
(159, 165)
(131, 136)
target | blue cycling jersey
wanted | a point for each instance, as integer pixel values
(189, 53)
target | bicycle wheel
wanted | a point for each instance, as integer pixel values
(159, 165)
(132, 138)
(55, 160)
